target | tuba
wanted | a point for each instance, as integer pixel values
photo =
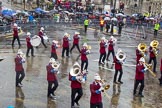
(76, 71)
(121, 56)
(142, 48)
(154, 44)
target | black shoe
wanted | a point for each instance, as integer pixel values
(115, 82)
(140, 95)
(77, 103)
(27, 56)
(120, 82)
(33, 55)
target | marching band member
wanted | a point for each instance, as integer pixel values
(76, 88)
(152, 56)
(84, 59)
(138, 55)
(95, 89)
(160, 79)
(52, 79)
(76, 38)
(118, 67)
(65, 45)
(139, 77)
(40, 34)
(110, 48)
(53, 50)
(20, 74)
(15, 35)
(29, 45)
(103, 45)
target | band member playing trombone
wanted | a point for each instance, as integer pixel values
(52, 78)
(118, 65)
(139, 77)
(111, 43)
(84, 59)
(20, 74)
(153, 53)
(103, 45)
(76, 85)
(29, 45)
(95, 89)
(41, 34)
(53, 49)
(15, 35)
(65, 45)
(76, 38)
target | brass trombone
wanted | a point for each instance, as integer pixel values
(150, 69)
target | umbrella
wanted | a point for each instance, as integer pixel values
(8, 12)
(107, 18)
(151, 18)
(120, 14)
(114, 19)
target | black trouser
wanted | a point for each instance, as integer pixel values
(54, 55)
(107, 29)
(97, 105)
(85, 28)
(74, 98)
(155, 62)
(77, 45)
(82, 64)
(19, 77)
(52, 86)
(136, 85)
(113, 54)
(160, 79)
(101, 28)
(120, 29)
(65, 49)
(13, 41)
(32, 51)
(102, 57)
(155, 32)
(116, 73)
(42, 40)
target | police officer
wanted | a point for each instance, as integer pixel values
(156, 28)
(29, 45)
(86, 23)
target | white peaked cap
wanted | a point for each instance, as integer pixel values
(42, 28)
(97, 77)
(111, 37)
(15, 24)
(65, 34)
(28, 33)
(20, 51)
(142, 59)
(103, 38)
(51, 60)
(77, 33)
(85, 44)
(54, 41)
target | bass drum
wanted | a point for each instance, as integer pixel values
(35, 40)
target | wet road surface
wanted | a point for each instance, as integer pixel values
(34, 92)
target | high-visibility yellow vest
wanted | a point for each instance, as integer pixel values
(102, 22)
(157, 26)
(86, 22)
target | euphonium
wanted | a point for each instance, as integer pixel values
(142, 48)
(121, 56)
(154, 44)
